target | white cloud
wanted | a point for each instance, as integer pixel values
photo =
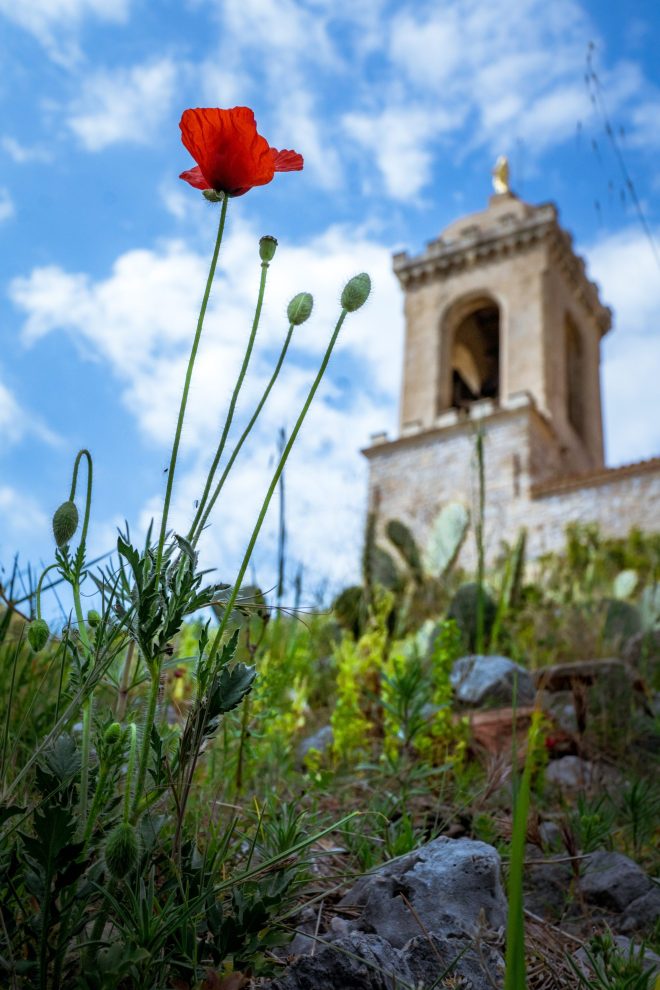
(123, 105)
(54, 23)
(22, 514)
(7, 208)
(624, 265)
(16, 423)
(21, 153)
(140, 320)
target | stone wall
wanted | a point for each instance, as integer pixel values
(413, 477)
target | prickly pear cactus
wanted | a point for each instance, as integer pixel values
(447, 536)
(463, 610)
(400, 535)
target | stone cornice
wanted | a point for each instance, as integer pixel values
(601, 476)
(463, 425)
(508, 234)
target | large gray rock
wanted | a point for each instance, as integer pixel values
(368, 962)
(446, 884)
(479, 680)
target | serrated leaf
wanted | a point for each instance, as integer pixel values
(230, 687)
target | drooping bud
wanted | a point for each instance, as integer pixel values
(122, 850)
(267, 248)
(65, 523)
(356, 292)
(213, 195)
(93, 618)
(38, 634)
(300, 308)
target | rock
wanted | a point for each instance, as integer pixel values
(358, 961)
(368, 962)
(447, 882)
(613, 881)
(547, 885)
(559, 705)
(570, 773)
(642, 652)
(650, 960)
(479, 680)
(551, 835)
(643, 912)
(429, 957)
(320, 741)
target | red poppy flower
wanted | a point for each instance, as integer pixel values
(231, 157)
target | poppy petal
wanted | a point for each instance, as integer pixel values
(288, 161)
(195, 178)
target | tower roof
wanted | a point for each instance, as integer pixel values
(507, 226)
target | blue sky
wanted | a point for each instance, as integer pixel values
(399, 109)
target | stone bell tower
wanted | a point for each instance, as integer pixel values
(503, 332)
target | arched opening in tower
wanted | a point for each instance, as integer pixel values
(574, 378)
(475, 359)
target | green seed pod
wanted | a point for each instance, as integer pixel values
(65, 523)
(112, 734)
(121, 850)
(213, 195)
(300, 308)
(356, 292)
(267, 248)
(93, 618)
(38, 634)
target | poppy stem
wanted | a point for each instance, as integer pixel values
(186, 388)
(273, 485)
(232, 404)
(194, 536)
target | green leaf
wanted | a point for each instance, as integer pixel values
(230, 688)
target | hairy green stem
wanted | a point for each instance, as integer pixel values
(218, 488)
(186, 387)
(145, 748)
(50, 567)
(232, 404)
(273, 485)
(185, 793)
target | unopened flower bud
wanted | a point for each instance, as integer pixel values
(93, 618)
(267, 248)
(112, 734)
(121, 850)
(356, 292)
(38, 634)
(213, 196)
(300, 308)
(65, 523)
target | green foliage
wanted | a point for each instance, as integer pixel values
(611, 968)
(402, 538)
(464, 610)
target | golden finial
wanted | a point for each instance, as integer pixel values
(501, 175)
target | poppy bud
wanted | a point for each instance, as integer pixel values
(300, 308)
(121, 850)
(356, 292)
(38, 634)
(213, 196)
(93, 618)
(65, 523)
(112, 734)
(267, 248)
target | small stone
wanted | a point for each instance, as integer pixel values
(320, 741)
(570, 773)
(613, 881)
(480, 679)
